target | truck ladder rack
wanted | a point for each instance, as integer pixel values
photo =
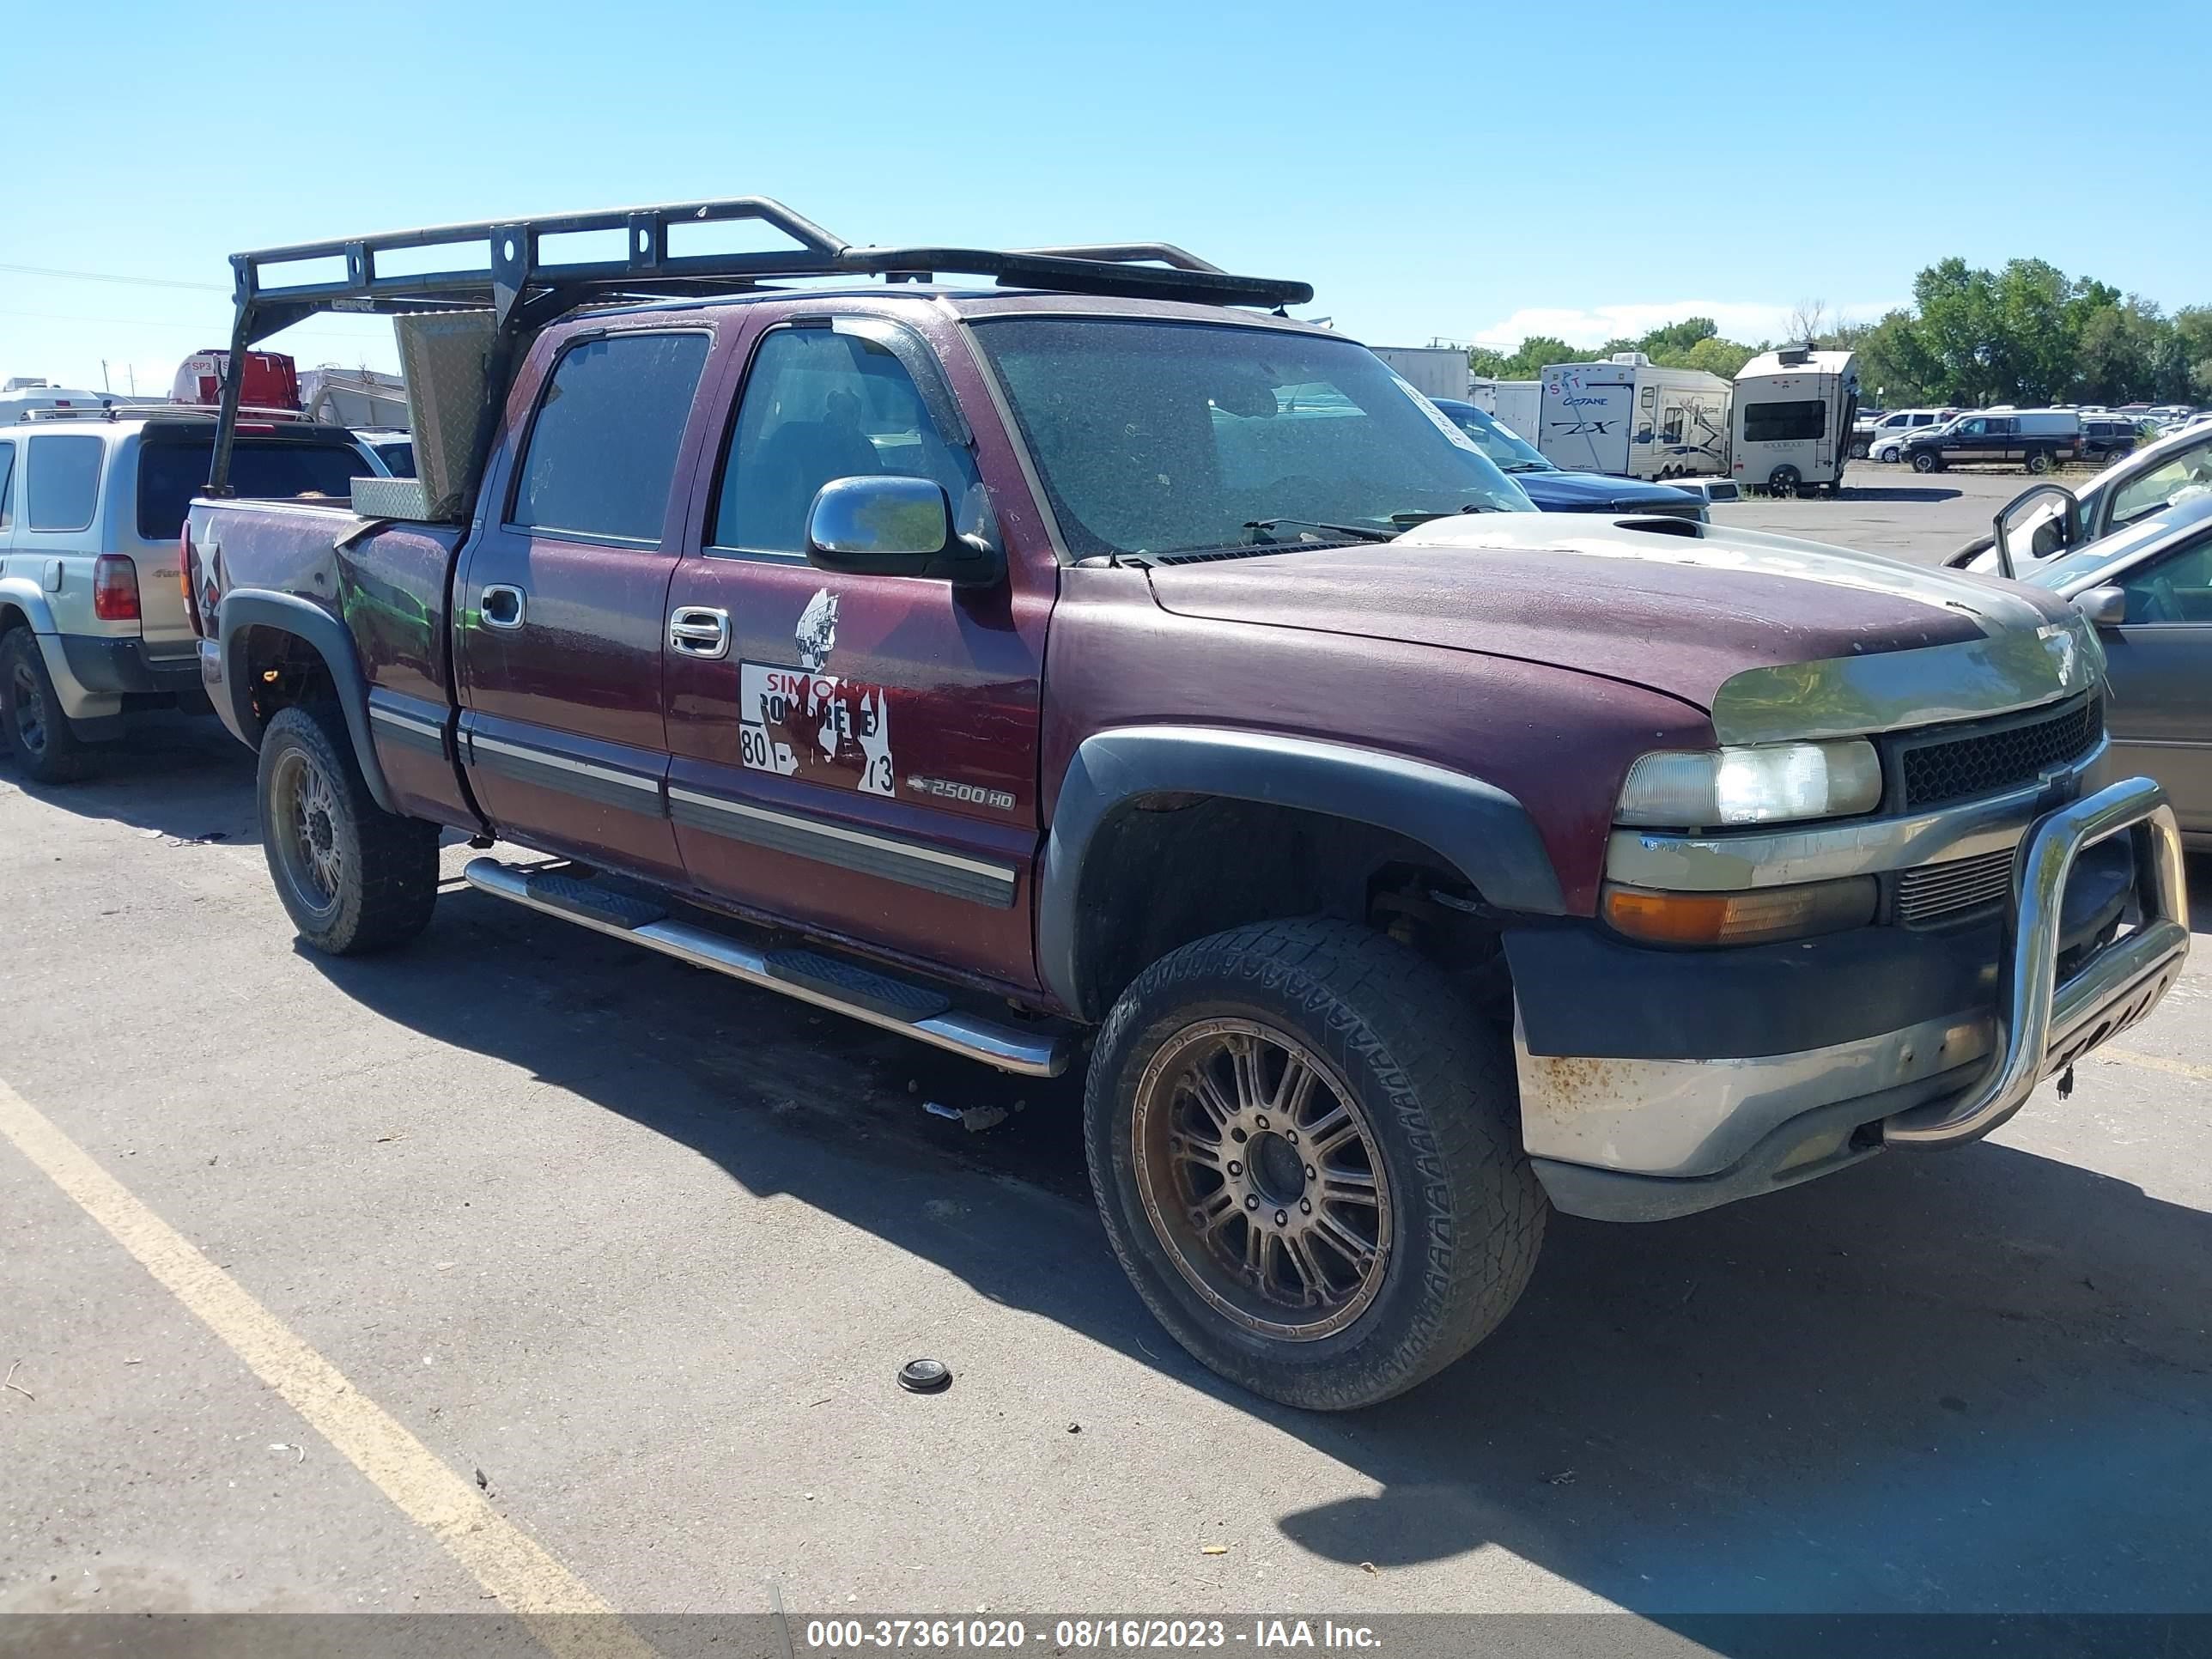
(507, 266)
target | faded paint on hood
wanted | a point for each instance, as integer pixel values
(1677, 613)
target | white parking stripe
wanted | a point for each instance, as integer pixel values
(517, 1570)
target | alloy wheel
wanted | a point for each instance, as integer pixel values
(1262, 1176)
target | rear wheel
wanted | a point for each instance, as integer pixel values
(47, 748)
(1304, 1149)
(353, 878)
(2038, 461)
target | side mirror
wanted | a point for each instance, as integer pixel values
(2104, 607)
(2068, 517)
(896, 527)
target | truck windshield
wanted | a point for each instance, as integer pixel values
(1512, 452)
(1158, 438)
(171, 471)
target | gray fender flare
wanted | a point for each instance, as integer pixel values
(26, 596)
(1485, 834)
(245, 608)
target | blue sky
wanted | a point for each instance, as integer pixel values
(1463, 171)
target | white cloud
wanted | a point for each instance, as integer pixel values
(1598, 324)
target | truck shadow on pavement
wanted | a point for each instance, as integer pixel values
(1978, 1380)
(176, 775)
(1897, 493)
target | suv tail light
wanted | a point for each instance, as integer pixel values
(114, 588)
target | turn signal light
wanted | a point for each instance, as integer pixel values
(114, 588)
(1753, 918)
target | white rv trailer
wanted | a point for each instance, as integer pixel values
(1518, 404)
(1433, 371)
(1792, 429)
(1628, 416)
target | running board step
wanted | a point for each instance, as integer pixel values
(845, 987)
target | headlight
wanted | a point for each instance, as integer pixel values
(1766, 784)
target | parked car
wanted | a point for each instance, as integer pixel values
(395, 448)
(2033, 440)
(1554, 490)
(1899, 425)
(93, 623)
(2106, 438)
(2147, 587)
(2169, 469)
(1047, 667)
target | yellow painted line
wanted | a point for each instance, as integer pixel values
(509, 1564)
(2155, 1063)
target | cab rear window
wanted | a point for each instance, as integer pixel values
(172, 471)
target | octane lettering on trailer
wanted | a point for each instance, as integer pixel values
(817, 727)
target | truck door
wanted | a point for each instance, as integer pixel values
(856, 755)
(2161, 663)
(558, 606)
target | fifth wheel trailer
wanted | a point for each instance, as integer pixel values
(1628, 416)
(1433, 371)
(1792, 429)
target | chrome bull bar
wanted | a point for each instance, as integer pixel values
(2043, 1025)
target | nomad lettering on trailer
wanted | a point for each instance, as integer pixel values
(815, 726)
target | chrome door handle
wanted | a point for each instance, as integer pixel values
(500, 605)
(699, 630)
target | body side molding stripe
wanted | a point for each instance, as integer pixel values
(861, 851)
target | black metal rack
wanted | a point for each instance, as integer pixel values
(524, 290)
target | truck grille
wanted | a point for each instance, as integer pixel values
(1937, 893)
(1990, 762)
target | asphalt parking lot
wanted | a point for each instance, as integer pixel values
(626, 1256)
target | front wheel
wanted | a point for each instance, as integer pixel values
(1858, 449)
(46, 748)
(1927, 460)
(1305, 1148)
(352, 876)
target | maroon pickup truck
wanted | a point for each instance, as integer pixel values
(1082, 662)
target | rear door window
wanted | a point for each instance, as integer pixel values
(62, 482)
(171, 471)
(602, 453)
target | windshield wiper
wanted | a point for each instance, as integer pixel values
(1357, 532)
(1407, 520)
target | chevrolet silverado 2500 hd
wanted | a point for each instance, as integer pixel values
(1085, 665)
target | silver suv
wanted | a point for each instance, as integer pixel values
(93, 619)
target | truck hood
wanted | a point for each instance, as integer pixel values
(1599, 492)
(1630, 599)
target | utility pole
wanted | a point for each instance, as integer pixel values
(104, 385)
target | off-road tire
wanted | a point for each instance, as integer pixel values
(46, 747)
(1435, 1085)
(386, 871)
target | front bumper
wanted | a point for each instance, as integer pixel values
(1645, 1139)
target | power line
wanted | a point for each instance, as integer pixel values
(110, 277)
